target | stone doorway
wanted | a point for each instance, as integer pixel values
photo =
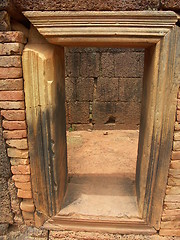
(43, 66)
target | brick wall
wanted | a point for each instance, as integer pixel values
(12, 111)
(103, 88)
(170, 224)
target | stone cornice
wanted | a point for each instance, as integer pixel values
(74, 28)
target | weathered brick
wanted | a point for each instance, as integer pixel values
(10, 61)
(176, 145)
(30, 223)
(27, 206)
(90, 63)
(11, 84)
(10, 72)
(21, 178)
(85, 88)
(172, 198)
(20, 169)
(12, 36)
(19, 161)
(11, 49)
(107, 89)
(24, 194)
(13, 114)
(14, 125)
(107, 65)
(17, 153)
(173, 181)
(169, 232)
(12, 105)
(78, 112)
(28, 215)
(11, 95)
(178, 104)
(16, 134)
(178, 116)
(18, 143)
(129, 64)
(173, 190)
(175, 155)
(24, 186)
(177, 126)
(175, 164)
(177, 135)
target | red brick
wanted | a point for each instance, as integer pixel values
(11, 49)
(14, 125)
(20, 169)
(24, 186)
(16, 134)
(28, 215)
(11, 84)
(178, 115)
(176, 155)
(178, 104)
(10, 72)
(27, 206)
(21, 178)
(24, 194)
(13, 114)
(12, 105)
(12, 36)
(11, 95)
(10, 61)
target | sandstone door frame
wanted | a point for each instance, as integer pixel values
(43, 68)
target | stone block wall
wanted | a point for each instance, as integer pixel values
(14, 129)
(103, 87)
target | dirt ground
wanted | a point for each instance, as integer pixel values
(102, 166)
